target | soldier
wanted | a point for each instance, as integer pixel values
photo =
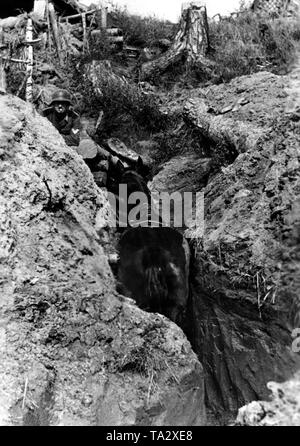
(63, 117)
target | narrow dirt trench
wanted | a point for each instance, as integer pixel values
(240, 345)
(238, 312)
(75, 349)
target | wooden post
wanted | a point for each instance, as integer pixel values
(39, 8)
(2, 77)
(103, 18)
(29, 67)
(99, 120)
(48, 25)
(54, 26)
(2, 68)
(1, 37)
(83, 17)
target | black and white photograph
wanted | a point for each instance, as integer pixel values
(149, 216)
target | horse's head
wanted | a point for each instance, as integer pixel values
(135, 182)
(142, 169)
(115, 171)
(121, 174)
(132, 174)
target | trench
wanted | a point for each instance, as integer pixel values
(240, 350)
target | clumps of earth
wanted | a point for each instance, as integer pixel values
(75, 352)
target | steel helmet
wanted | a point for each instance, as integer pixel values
(61, 96)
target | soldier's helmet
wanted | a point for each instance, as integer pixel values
(61, 96)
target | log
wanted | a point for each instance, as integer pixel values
(88, 149)
(76, 16)
(112, 34)
(119, 149)
(191, 44)
(13, 22)
(116, 39)
(13, 60)
(114, 31)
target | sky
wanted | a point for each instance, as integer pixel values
(171, 9)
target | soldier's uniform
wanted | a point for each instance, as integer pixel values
(68, 124)
(68, 127)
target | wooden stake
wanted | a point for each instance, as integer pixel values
(13, 60)
(39, 8)
(54, 26)
(25, 394)
(2, 68)
(2, 44)
(48, 26)
(2, 78)
(83, 17)
(103, 18)
(99, 120)
(29, 67)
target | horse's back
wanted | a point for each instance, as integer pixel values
(163, 237)
(154, 261)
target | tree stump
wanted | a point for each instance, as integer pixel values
(191, 44)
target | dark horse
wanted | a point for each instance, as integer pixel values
(133, 178)
(154, 268)
(154, 262)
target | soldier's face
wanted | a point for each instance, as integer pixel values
(61, 107)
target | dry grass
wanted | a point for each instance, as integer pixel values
(149, 363)
(141, 31)
(143, 360)
(252, 43)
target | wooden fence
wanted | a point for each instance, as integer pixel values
(44, 10)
